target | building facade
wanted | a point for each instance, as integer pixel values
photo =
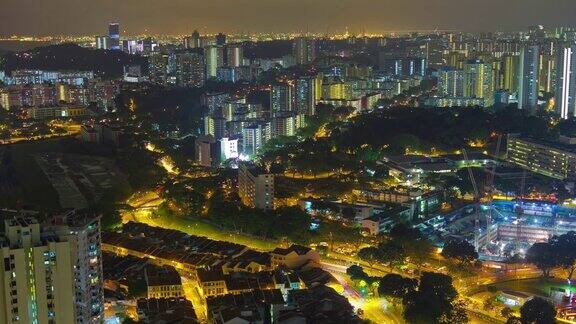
(528, 78)
(36, 278)
(566, 81)
(549, 159)
(256, 187)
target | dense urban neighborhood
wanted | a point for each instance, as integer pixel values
(418, 177)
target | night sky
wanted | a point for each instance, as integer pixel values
(41, 17)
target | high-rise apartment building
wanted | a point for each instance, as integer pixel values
(336, 89)
(256, 187)
(283, 124)
(187, 68)
(204, 149)
(402, 66)
(254, 137)
(478, 81)
(215, 125)
(304, 50)
(565, 94)
(546, 72)
(451, 82)
(281, 98)
(305, 95)
(102, 42)
(234, 55)
(528, 78)
(158, 67)
(82, 232)
(37, 280)
(214, 56)
(510, 72)
(53, 273)
(553, 160)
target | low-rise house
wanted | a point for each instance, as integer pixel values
(166, 310)
(385, 220)
(294, 257)
(163, 282)
(287, 281)
(212, 283)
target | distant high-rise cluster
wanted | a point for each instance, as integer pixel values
(533, 71)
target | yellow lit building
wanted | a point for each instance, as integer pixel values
(163, 282)
(336, 90)
(478, 81)
(510, 72)
(318, 87)
(37, 282)
(212, 283)
(546, 69)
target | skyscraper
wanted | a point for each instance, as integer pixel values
(528, 78)
(281, 98)
(566, 81)
(304, 50)
(114, 36)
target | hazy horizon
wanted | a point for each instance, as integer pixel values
(178, 17)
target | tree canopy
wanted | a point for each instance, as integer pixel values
(537, 311)
(459, 250)
(435, 301)
(543, 256)
(396, 286)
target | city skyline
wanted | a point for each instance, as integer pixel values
(252, 16)
(314, 161)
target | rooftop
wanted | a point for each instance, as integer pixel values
(162, 276)
(298, 249)
(167, 310)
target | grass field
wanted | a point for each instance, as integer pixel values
(195, 227)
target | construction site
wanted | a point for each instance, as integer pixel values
(502, 225)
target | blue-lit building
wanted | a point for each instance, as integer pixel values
(528, 78)
(402, 66)
(114, 36)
